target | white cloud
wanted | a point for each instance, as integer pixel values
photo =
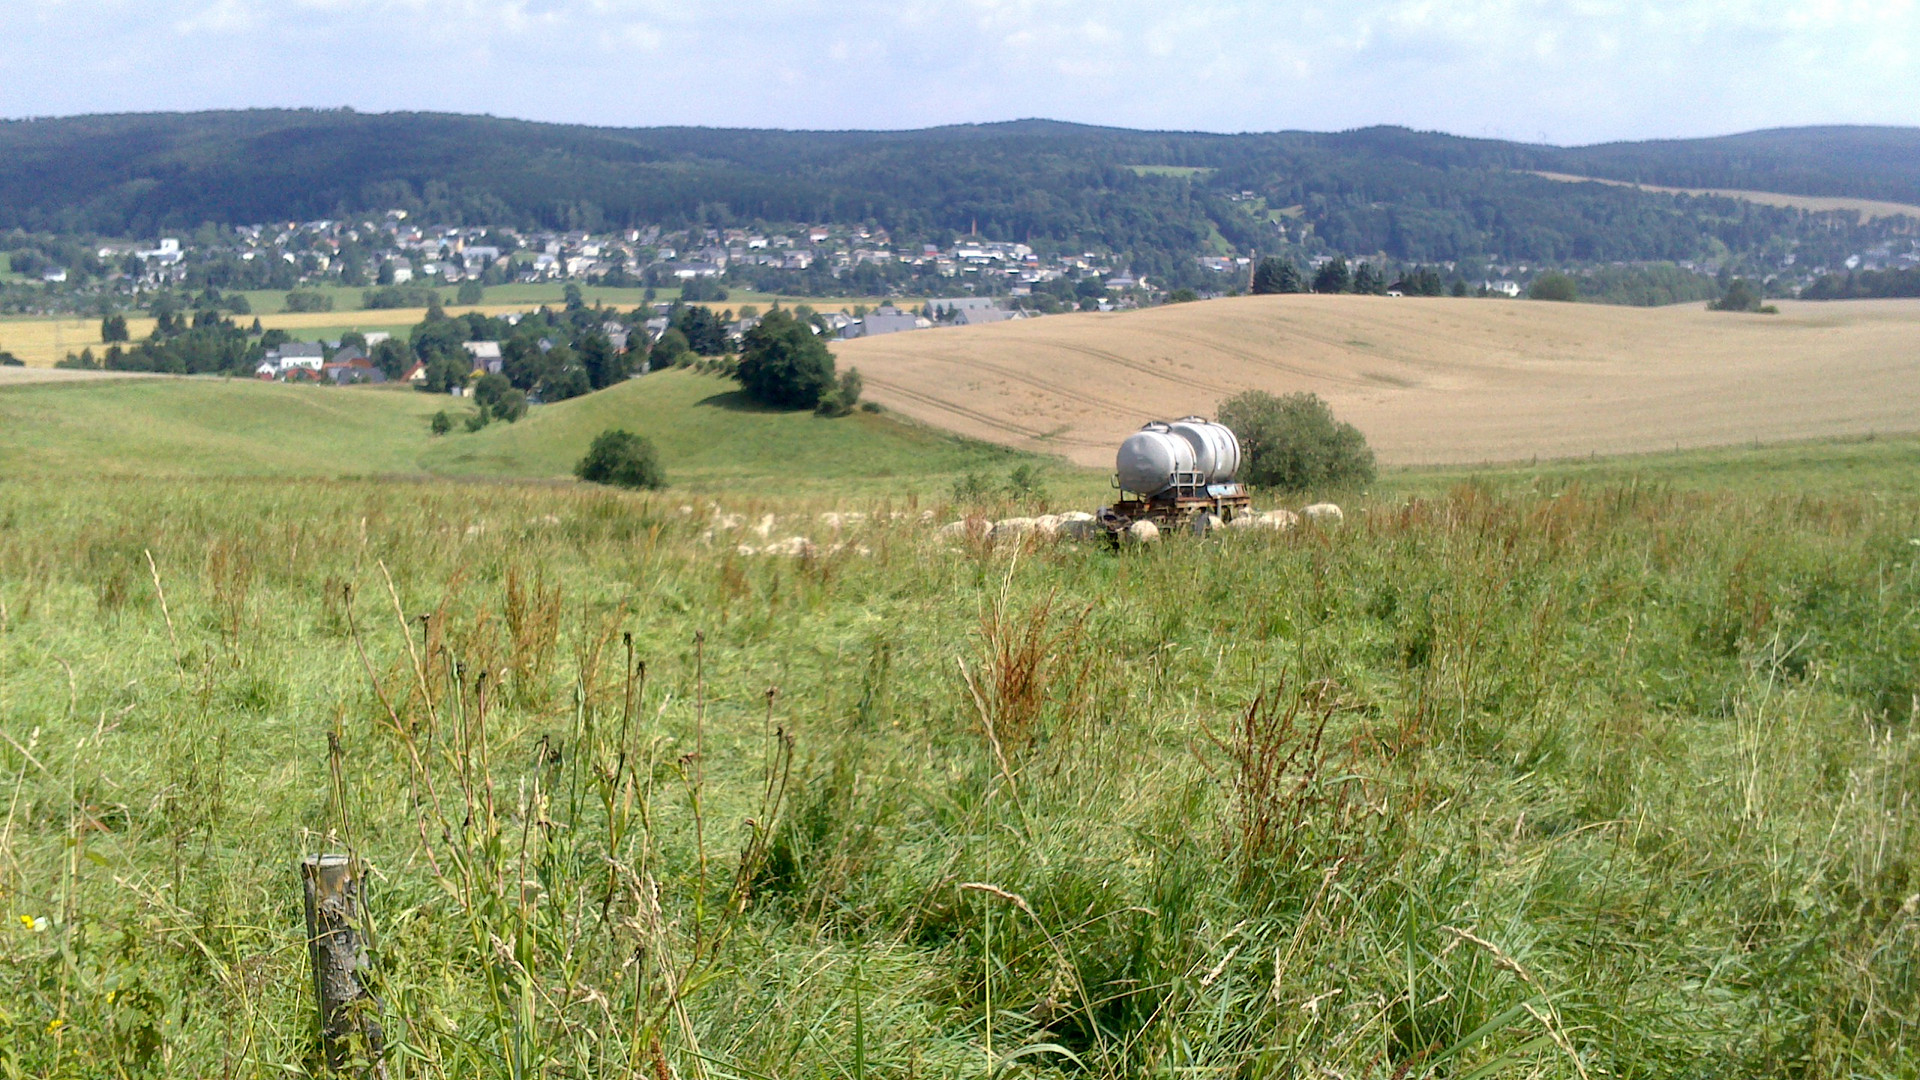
(1582, 70)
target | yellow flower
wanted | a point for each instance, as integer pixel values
(26, 921)
(54, 1025)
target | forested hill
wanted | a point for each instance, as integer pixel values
(1160, 196)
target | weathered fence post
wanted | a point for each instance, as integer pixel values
(335, 949)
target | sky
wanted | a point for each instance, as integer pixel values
(1571, 72)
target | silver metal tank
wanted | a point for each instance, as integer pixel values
(1216, 452)
(1151, 459)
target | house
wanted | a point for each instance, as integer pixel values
(1503, 287)
(486, 356)
(356, 370)
(887, 320)
(616, 333)
(266, 369)
(689, 271)
(298, 356)
(962, 303)
(416, 374)
(981, 316)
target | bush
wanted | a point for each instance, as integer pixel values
(308, 300)
(399, 296)
(442, 423)
(470, 293)
(1740, 296)
(844, 397)
(784, 364)
(476, 420)
(1553, 286)
(621, 459)
(1293, 443)
(511, 406)
(1023, 485)
(7, 359)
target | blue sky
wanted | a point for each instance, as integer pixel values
(1570, 72)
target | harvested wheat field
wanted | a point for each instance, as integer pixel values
(1428, 380)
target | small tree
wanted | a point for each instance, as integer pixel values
(785, 364)
(1740, 296)
(1367, 280)
(621, 459)
(1554, 286)
(1294, 443)
(470, 293)
(442, 423)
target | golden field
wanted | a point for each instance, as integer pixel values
(1428, 380)
(1867, 209)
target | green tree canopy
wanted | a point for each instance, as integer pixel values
(1553, 286)
(785, 364)
(621, 459)
(1293, 443)
(1276, 276)
(1332, 277)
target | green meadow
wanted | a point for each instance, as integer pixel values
(1594, 769)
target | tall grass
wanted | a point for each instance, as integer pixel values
(1616, 781)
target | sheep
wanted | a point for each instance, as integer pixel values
(1323, 514)
(1279, 520)
(1143, 531)
(1011, 529)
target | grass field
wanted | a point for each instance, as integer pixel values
(1601, 768)
(1429, 381)
(1866, 209)
(1612, 779)
(708, 438)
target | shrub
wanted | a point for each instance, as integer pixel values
(971, 488)
(1294, 443)
(7, 359)
(784, 364)
(400, 296)
(621, 459)
(442, 423)
(1553, 286)
(844, 397)
(1740, 296)
(510, 406)
(1023, 485)
(470, 293)
(476, 420)
(308, 300)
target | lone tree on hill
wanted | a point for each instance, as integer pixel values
(1276, 276)
(1740, 296)
(784, 364)
(1293, 443)
(620, 458)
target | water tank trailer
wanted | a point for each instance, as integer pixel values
(1178, 474)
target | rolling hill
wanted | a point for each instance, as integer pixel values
(1429, 381)
(1160, 197)
(89, 424)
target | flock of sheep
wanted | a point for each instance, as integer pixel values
(758, 537)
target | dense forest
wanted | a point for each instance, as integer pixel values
(1160, 197)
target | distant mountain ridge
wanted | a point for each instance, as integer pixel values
(1414, 195)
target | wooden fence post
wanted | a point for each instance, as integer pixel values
(337, 955)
